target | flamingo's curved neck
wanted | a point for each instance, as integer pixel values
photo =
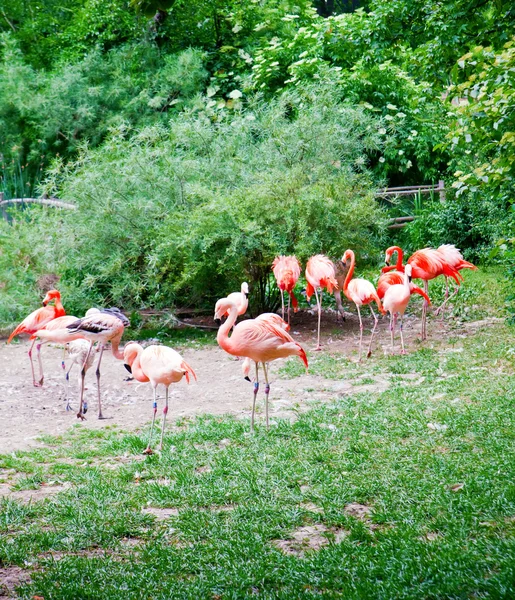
(400, 257)
(222, 337)
(59, 308)
(136, 369)
(115, 349)
(350, 273)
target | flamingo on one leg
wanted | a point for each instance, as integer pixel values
(159, 365)
(361, 292)
(320, 274)
(259, 340)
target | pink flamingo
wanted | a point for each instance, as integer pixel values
(241, 299)
(396, 300)
(320, 274)
(426, 264)
(361, 292)
(454, 258)
(260, 340)
(38, 319)
(286, 270)
(100, 327)
(159, 365)
(396, 278)
(271, 318)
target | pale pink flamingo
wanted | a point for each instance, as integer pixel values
(426, 264)
(396, 300)
(38, 319)
(260, 340)
(159, 365)
(241, 299)
(271, 318)
(454, 258)
(101, 328)
(361, 292)
(320, 274)
(286, 271)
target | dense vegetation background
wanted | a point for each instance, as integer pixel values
(198, 139)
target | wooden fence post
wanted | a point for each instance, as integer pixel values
(441, 189)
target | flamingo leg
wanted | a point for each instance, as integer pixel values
(424, 312)
(360, 332)
(67, 379)
(148, 449)
(83, 407)
(165, 412)
(63, 359)
(339, 305)
(391, 330)
(403, 351)
(289, 300)
(35, 383)
(319, 305)
(369, 353)
(256, 388)
(267, 392)
(447, 297)
(40, 362)
(100, 415)
(282, 303)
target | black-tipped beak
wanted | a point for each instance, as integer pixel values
(247, 378)
(387, 263)
(218, 321)
(128, 367)
(409, 278)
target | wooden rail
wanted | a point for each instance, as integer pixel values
(45, 201)
(410, 190)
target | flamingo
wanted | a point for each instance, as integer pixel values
(271, 318)
(454, 258)
(320, 274)
(386, 280)
(260, 340)
(286, 270)
(241, 299)
(426, 264)
(78, 352)
(102, 328)
(396, 300)
(361, 292)
(157, 364)
(38, 319)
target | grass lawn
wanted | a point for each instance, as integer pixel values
(405, 493)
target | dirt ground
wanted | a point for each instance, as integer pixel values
(27, 412)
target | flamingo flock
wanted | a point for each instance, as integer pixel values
(260, 340)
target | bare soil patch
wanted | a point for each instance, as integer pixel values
(26, 412)
(310, 538)
(11, 578)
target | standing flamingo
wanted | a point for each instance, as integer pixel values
(454, 258)
(287, 272)
(260, 340)
(396, 300)
(157, 364)
(38, 319)
(102, 328)
(271, 318)
(320, 274)
(426, 265)
(361, 292)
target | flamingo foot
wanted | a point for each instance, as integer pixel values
(403, 352)
(318, 348)
(148, 451)
(37, 384)
(41, 382)
(81, 416)
(369, 353)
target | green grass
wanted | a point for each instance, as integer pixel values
(432, 456)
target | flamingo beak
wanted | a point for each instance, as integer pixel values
(218, 322)
(247, 378)
(409, 278)
(387, 263)
(128, 367)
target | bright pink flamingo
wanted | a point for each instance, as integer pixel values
(241, 299)
(260, 340)
(159, 365)
(320, 274)
(396, 278)
(101, 328)
(396, 300)
(38, 319)
(361, 292)
(271, 318)
(287, 272)
(426, 265)
(454, 258)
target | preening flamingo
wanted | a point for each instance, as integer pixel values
(320, 274)
(396, 300)
(102, 328)
(361, 292)
(286, 271)
(454, 258)
(157, 364)
(260, 340)
(426, 265)
(38, 319)
(271, 318)
(241, 299)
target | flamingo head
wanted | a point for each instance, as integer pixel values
(223, 306)
(51, 295)
(245, 288)
(130, 353)
(347, 256)
(388, 255)
(408, 270)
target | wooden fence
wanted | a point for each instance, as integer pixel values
(410, 190)
(44, 201)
